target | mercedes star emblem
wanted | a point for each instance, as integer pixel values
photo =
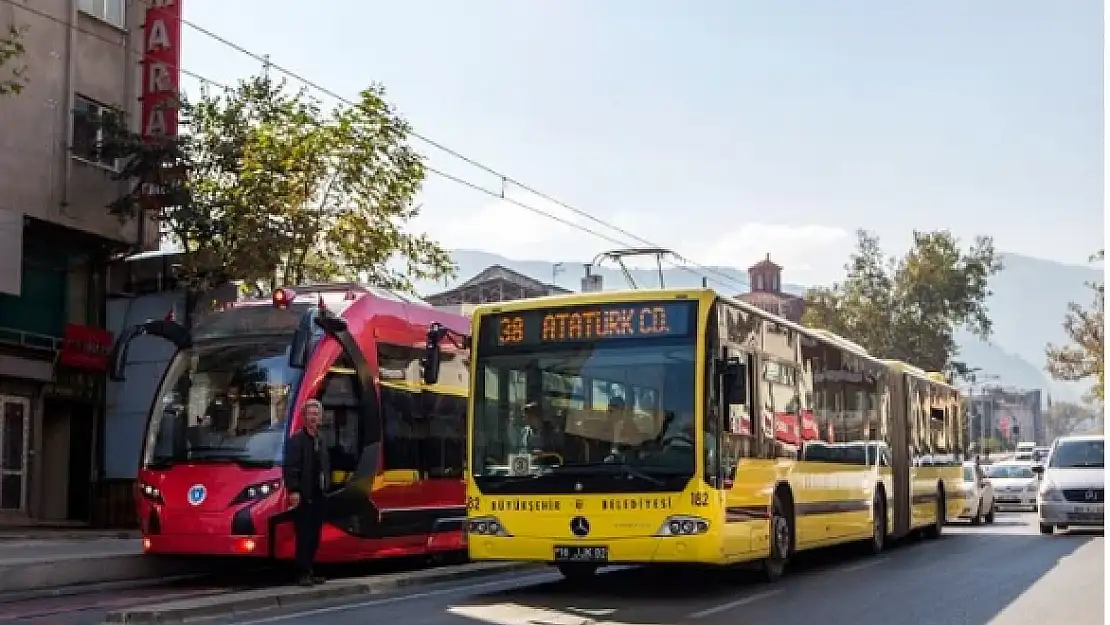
(579, 526)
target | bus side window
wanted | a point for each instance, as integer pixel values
(401, 430)
(443, 447)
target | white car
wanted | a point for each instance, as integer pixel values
(1072, 484)
(978, 495)
(1015, 485)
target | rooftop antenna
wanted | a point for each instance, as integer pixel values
(618, 257)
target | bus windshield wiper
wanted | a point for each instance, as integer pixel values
(620, 465)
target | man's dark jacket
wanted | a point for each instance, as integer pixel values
(297, 468)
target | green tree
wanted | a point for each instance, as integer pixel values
(1063, 418)
(1082, 359)
(263, 185)
(12, 51)
(909, 308)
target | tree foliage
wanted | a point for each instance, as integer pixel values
(12, 51)
(1082, 358)
(265, 185)
(909, 308)
(1064, 418)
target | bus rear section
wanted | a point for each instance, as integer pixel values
(584, 436)
(210, 478)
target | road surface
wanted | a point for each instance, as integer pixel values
(1001, 574)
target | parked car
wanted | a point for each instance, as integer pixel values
(1072, 484)
(1015, 485)
(978, 495)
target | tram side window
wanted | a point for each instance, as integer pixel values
(402, 430)
(444, 446)
(339, 426)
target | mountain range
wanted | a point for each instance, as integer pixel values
(1028, 303)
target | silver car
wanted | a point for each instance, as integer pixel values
(1071, 492)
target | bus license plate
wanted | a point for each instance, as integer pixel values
(579, 553)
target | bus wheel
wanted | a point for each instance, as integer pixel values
(782, 536)
(878, 525)
(934, 530)
(578, 573)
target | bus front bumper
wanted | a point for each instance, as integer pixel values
(637, 550)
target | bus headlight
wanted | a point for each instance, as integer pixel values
(683, 526)
(486, 526)
(256, 492)
(151, 493)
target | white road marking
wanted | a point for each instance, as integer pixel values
(735, 604)
(531, 579)
(858, 566)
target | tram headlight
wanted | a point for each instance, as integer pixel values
(257, 492)
(485, 526)
(683, 526)
(151, 493)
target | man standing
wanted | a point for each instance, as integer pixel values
(306, 471)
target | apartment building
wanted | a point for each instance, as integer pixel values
(82, 62)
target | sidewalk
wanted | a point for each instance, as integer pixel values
(32, 560)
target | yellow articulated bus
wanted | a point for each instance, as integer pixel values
(681, 426)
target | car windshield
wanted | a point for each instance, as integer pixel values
(1009, 471)
(1077, 454)
(224, 400)
(969, 475)
(593, 417)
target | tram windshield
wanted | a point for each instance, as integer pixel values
(224, 400)
(608, 415)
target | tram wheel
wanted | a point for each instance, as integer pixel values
(782, 537)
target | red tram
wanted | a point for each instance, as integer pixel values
(209, 481)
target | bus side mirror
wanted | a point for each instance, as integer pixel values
(429, 365)
(1038, 469)
(733, 381)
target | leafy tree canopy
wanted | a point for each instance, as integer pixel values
(1082, 358)
(12, 51)
(265, 185)
(1064, 418)
(909, 308)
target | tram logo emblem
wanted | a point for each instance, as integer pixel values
(579, 526)
(197, 494)
(579, 504)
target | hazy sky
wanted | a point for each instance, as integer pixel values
(721, 129)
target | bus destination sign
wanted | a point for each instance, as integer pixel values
(605, 322)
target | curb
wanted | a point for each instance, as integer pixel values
(27, 574)
(269, 598)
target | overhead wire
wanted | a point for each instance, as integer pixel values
(706, 272)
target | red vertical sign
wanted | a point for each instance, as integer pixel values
(161, 68)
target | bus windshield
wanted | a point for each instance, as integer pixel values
(223, 400)
(597, 416)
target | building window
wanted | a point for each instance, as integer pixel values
(111, 11)
(88, 130)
